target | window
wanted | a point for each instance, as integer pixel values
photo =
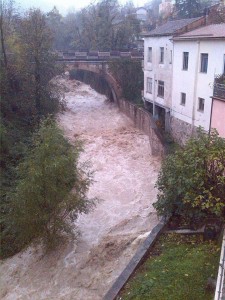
(185, 60)
(161, 89)
(161, 59)
(149, 54)
(201, 104)
(183, 99)
(149, 85)
(204, 62)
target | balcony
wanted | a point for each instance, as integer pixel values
(219, 87)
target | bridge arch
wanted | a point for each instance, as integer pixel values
(100, 71)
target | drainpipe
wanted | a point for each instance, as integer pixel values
(220, 278)
(195, 87)
(210, 122)
(154, 89)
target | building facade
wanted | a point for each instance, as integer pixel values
(199, 58)
(158, 67)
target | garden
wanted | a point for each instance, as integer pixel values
(178, 267)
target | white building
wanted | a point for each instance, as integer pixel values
(199, 56)
(158, 66)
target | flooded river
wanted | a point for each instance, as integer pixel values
(124, 178)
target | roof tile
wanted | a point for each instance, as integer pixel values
(170, 27)
(210, 31)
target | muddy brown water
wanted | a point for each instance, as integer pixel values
(124, 178)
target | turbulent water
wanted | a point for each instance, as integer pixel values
(124, 178)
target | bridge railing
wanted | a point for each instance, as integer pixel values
(98, 55)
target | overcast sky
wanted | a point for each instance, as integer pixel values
(65, 5)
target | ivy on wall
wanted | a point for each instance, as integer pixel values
(128, 73)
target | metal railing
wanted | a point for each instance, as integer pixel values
(219, 86)
(219, 294)
(219, 90)
(98, 55)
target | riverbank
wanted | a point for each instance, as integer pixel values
(124, 178)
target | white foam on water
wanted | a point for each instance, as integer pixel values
(124, 178)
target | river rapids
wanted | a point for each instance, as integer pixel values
(124, 177)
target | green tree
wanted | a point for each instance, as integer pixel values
(191, 182)
(26, 95)
(187, 8)
(7, 10)
(54, 21)
(104, 26)
(129, 75)
(126, 32)
(107, 10)
(72, 31)
(38, 64)
(51, 188)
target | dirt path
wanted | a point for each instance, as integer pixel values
(125, 175)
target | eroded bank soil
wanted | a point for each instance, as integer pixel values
(125, 174)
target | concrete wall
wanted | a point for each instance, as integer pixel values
(194, 83)
(218, 116)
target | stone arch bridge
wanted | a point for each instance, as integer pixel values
(97, 62)
(100, 68)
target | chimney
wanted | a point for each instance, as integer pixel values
(206, 15)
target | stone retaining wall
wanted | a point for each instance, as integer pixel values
(143, 120)
(182, 131)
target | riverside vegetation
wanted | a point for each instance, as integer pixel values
(42, 186)
(177, 267)
(128, 73)
(191, 182)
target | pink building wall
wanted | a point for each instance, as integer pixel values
(218, 116)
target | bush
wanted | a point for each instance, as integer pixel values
(191, 182)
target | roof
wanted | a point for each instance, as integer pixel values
(170, 27)
(214, 31)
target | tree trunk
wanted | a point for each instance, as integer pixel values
(5, 62)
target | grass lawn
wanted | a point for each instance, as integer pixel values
(177, 269)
